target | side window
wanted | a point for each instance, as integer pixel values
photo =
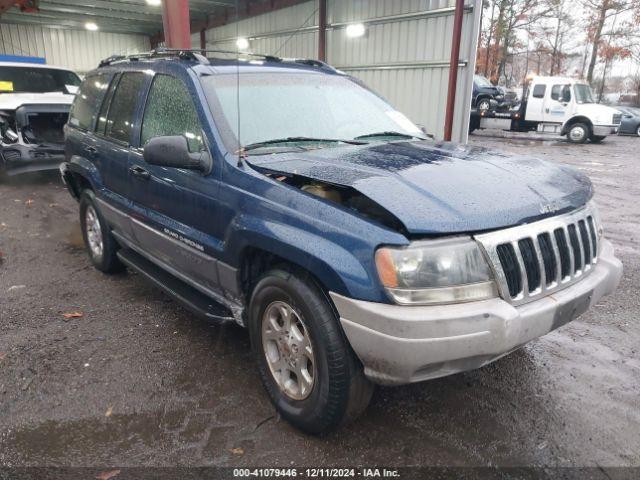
(87, 101)
(538, 90)
(122, 107)
(104, 110)
(556, 92)
(170, 111)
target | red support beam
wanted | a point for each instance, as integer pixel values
(453, 69)
(175, 19)
(322, 30)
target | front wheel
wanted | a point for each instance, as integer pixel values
(306, 364)
(638, 131)
(578, 133)
(484, 105)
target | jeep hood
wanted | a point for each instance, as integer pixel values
(11, 101)
(440, 188)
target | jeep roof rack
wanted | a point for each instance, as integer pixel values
(198, 55)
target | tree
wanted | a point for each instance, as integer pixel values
(602, 29)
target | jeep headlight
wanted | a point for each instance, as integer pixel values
(436, 272)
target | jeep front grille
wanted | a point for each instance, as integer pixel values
(534, 260)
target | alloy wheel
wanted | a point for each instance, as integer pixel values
(288, 350)
(94, 232)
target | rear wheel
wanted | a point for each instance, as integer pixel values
(578, 133)
(597, 138)
(306, 364)
(100, 244)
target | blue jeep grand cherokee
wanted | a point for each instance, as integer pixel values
(285, 196)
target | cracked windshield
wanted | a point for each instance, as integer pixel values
(284, 106)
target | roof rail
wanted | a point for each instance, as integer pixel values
(156, 53)
(198, 55)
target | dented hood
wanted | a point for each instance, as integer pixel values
(438, 188)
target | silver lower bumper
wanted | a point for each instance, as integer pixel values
(604, 130)
(404, 344)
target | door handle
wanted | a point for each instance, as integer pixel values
(546, 110)
(140, 172)
(91, 149)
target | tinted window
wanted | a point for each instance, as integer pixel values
(104, 110)
(170, 111)
(85, 105)
(556, 90)
(538, 91)
(36, 80)
(122, 107)
(562, 93)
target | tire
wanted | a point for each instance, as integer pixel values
(638, 131)
(597, 138)
(484, 104)
(336, 388)
(578, 133)
(96, 232)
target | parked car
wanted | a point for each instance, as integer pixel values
(34, 106)
(630, 123)
(485, 94)
(308, 210)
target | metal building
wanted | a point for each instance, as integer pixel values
(403, 52)
(403, 55)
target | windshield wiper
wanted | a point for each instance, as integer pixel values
(266, 143)
(387, 134)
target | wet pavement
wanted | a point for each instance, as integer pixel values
(136, 380)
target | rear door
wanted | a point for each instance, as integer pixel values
(535, 103)
(112, 146)
(177, 209)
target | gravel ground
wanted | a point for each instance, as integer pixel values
(136, 380)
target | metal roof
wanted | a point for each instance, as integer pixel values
(118, 16)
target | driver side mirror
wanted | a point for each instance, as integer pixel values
(9, 136)
(173, 151)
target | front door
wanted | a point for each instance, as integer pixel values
(556, 103)
(176, 209)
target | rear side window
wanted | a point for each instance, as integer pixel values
(122, 107)
(170, 111)
(538, 90)
(88, 99)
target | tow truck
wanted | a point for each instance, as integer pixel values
(555, 105)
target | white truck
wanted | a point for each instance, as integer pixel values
(559, 105)
(34, 106)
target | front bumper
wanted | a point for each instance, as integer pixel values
(19, 158)
(604, 130)
(404, 344)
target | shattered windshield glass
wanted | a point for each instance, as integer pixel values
(297, 105)
(36, 80)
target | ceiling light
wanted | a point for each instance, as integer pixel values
(242, 43)
(154, 3)
(355, 30)
(91, 26)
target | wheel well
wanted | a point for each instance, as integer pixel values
(484, 96)
(255, 262)
(77, 183)
(575, 120)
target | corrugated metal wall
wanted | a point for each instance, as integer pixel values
(79, 50)
(404, 55)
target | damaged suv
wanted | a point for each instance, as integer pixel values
(34, 106)
(285, 196)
